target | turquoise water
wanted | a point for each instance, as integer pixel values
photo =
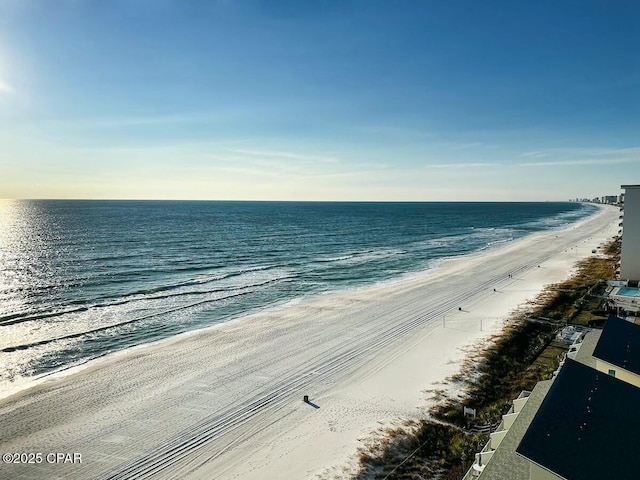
(80, 279)
(629, 292)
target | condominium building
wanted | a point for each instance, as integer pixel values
(580, 425)
(630, 258)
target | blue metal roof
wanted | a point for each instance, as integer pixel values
(619, 344)
(586, 427)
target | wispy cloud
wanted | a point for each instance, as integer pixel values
(581, 156)
(601, 152)
(286, 155)
(458, 166)
(553, 158)
(584, 162)
(535, 155)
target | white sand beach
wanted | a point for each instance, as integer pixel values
(226, 402)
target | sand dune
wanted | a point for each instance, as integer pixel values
(226, 402)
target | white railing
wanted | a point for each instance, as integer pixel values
(483, 457)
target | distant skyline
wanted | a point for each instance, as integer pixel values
(319, 100)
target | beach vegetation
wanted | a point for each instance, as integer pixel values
(442, 446)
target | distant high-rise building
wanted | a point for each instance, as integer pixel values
(630, 257)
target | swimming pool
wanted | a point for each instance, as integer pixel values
(628, 292)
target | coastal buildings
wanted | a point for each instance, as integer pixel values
(605, 199)
(618, 351)
(630, 258)
(579, 425)
(582, 424)
(584, 429)
(624, 294)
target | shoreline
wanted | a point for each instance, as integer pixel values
(359, 374)
(37, 381)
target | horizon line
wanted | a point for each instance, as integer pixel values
(285, 201)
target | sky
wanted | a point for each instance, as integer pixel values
(392, 100)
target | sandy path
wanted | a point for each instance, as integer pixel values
(226, 402)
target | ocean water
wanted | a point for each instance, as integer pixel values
(81, 279)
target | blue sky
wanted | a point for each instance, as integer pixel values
(319, 100)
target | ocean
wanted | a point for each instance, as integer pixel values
(82, 279)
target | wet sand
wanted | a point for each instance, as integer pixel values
(226, 402)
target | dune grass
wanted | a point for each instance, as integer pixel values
(443, 446)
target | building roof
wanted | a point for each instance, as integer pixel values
(505, 463)
(619, 344)
(588, 345)
(629, 186)
(586, 427)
